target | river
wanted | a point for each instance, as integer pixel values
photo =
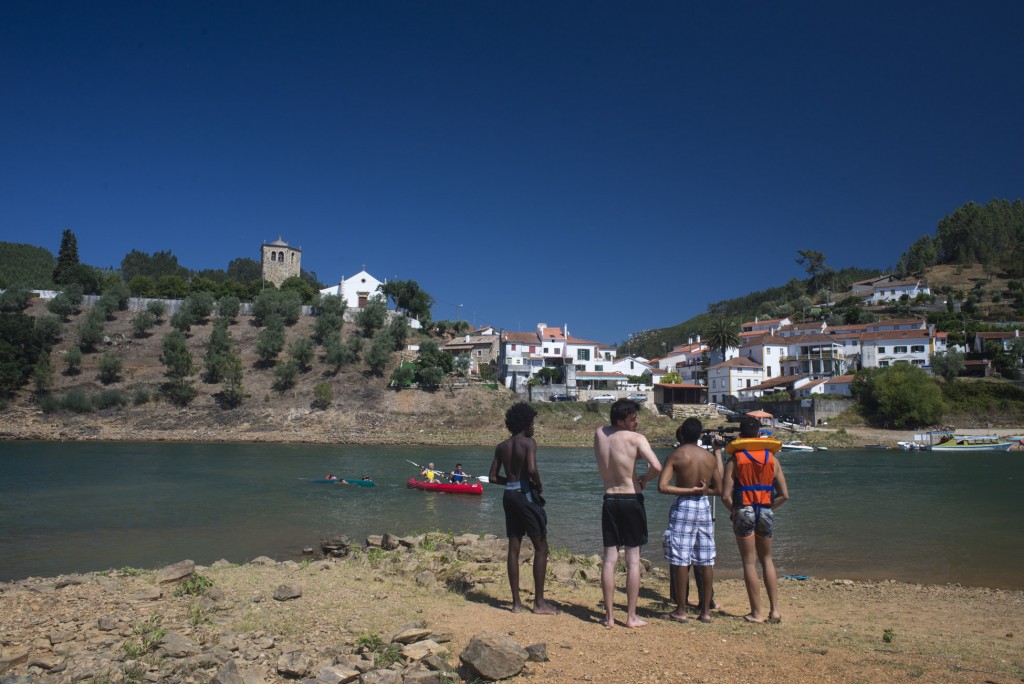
(79, 507)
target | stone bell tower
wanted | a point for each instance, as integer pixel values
(280, 261)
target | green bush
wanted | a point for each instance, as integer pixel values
(323, 396)
(110, 398)
(77, 401)
(50, 328)
(140, 396)
(284, 375)
(157, 308)
(73, 360)
(110, 367)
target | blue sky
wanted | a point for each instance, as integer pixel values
(613, 166)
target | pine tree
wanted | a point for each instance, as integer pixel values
(67, 257)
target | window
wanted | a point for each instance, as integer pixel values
(883, 364)
(512, 347)
(917, 348)
(582, 354)
(580, 369)
(918, 362)
(533, 349)
(599, 368)
(899, 350)
(881, 350)
(545, 350)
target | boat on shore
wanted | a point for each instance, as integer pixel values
(796, 446)
(475, 489)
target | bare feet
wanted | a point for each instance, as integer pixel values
(750, 617)
(677, 617)
(608, 622)
(544, 608)
(635, 622)
(517, 607)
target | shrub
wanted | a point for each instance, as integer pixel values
(42, 373)
(157, 308)
(228, 307)
(140, 396)
(110, 367)
(323, 396)
(50, 328)
(142, 323)
(90, 331)
(110, 398)
(284, 375)
(76, 401)
(14, 299)
(301, 351)
(73, 360)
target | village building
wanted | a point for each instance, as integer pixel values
(280, 261)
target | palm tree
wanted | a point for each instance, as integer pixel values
(720, 334)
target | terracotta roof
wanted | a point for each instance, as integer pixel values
(682, 385)
(553, 332)
(780, 381)
(895, 335)
(765, 337)
(900, 321)
(522, 338)
(897, 283)
(840, 380)
(738, 362)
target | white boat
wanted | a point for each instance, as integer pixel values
(953, 442)
(796, 446)
(910, 446)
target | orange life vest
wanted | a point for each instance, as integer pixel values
(755, 478)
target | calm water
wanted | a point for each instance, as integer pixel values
(74, 507)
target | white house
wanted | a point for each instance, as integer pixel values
(766, 349)
(632, 365)
(886, 348)
(895, 290)
(523, 354)
(730, 377)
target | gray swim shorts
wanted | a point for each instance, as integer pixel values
(746, 523)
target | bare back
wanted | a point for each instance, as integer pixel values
(691, 467)
(617, 451)
(517, 456)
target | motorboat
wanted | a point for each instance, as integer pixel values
(954, 442)
(796, 446)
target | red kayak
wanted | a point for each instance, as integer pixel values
(449, 487)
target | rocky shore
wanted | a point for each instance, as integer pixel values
(434, 608)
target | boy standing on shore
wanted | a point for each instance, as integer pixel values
(524, 507)
(690, 537)
(753, 488)
(617, 448)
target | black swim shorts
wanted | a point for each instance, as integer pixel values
(523, 517)
(624, 520)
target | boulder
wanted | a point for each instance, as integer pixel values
(389, 542)
(287, 592)
(421, 677)
(381, 677)
(407, 634)
(493, 656)
(374, 540)
(174, 645)
(335, 674)
(538, 653)
(175, 572)
(294, 664)
(421, 649)
(337, 546)
(262, 560)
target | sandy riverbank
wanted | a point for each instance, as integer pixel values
(832, 630)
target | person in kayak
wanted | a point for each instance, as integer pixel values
(457, 476)
(524, 507)
(428, 473)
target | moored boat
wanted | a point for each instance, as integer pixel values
(448, 487)
(796, 446)
(954, 442)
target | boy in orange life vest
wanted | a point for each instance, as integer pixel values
(753, 486)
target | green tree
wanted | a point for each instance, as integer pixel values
(228, 307)
(73, 361)
(175, 355)
(814, 263)
(323, 395)
(14, 299)
(245, 270)
(408, 297)
(110, 367)
(721, 334)
(379, 355)
(372, 317)
(461, 364)
(183, 319)
(157, 308)
(67, 302)
(142, 286)
(403, 375)
(218, 346)
(142, 323)
(171, 287)
(42, 374)
(949, 365)
(200, 305)
(270, 341)
(430, 378)
(155, 265)
(67, 257)
(899, 396)
(233, 392)
(90, 330)
(300, 287)
(50, 329)
(301, 351)
(398, 329)
(284, 375)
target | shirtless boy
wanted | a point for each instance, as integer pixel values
(617, 448)
(691, 474)
(524, 508)
(753, 486)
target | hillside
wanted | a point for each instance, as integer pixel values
(363, 410)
